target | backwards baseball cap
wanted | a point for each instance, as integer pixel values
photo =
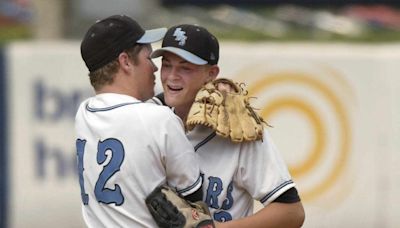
(107, 38)
(193, 43)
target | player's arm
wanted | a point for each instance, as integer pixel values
(181, 164)
(279, 215)
(286, 211)
(281, 209)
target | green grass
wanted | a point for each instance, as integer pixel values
(302, 34)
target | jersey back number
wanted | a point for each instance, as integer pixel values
(110, 168)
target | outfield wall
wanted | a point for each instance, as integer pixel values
(334, 109)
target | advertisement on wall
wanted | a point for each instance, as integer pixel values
(46, 83)
(332, 109)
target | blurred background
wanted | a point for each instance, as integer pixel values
(325, 74)
(250, 20)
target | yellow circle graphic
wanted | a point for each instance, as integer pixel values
(316, 122)
(318, 126)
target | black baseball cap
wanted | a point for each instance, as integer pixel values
(107, 38)
(193, 43)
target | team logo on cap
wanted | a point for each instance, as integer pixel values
(212, 56)
(180, 36)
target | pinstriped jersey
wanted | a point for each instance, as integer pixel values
(236, 174)
(126, 148)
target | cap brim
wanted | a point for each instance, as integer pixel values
(152, 35)
(181, 53)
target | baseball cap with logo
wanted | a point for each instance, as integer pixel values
(107, 38)
(193, 43)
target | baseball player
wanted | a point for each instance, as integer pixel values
(125, 147)
(235, 174)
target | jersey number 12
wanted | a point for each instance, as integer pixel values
(103, 194)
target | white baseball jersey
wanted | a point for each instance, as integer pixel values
(125, 149)
(236, 174)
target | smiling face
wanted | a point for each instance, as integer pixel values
(182, 80)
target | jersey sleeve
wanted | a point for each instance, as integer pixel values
(262, 171)
(179, 158)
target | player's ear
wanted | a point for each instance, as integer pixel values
(124, 60)
(213, 72)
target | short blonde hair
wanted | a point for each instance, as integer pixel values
(105, 74)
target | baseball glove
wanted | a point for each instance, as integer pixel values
(170, 210)
(227, 112)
